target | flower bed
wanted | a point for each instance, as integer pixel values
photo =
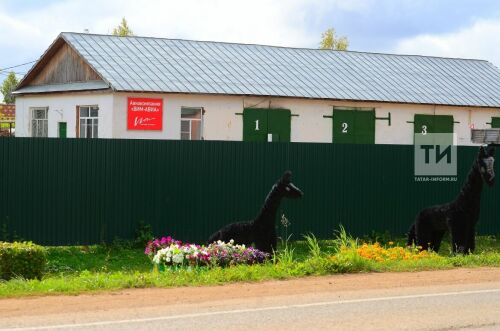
(168, 252)
(227, 254)
(378, 253)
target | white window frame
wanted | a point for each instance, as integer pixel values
(190, 121)
(37, 122)
(94, 122)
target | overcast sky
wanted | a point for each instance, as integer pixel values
(451, 28)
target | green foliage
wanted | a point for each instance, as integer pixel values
(329, 40)
(122, 30)
(380, 237)
(77, 269)
(143, 234)
(5, 234)
(343, 239)
(9, 85)
(22, 259)
(285, 254)
(312, 244)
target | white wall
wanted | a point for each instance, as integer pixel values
(222, 123)
(219, 122)
(401, 132)
(62, 108)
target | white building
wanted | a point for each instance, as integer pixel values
(91, 86)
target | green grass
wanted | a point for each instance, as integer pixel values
(77, 269)
(70, 260)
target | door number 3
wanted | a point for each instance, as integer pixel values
(424, 129)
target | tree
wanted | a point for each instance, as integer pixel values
(9, 85)
(123, 29)
(330, 41)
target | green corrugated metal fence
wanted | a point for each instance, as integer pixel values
(66, 191)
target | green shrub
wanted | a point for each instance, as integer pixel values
(22, 259)
(143, 234)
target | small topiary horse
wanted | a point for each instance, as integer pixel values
(459, 216)
(261, 230)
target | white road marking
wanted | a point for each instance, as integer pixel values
(251, 310)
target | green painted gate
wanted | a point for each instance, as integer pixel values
(258, 123)
(353, 127)
(495, 122)
(433, 124)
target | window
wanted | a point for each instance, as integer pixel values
(191, 123)
(89, 121)
(39, 122)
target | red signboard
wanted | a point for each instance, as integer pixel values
(145, 114)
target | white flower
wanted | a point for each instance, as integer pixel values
(178, 258)
(156, 259)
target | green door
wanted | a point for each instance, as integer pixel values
(495, 122)
(278, 124)
(424, 124)
(365, 127)
(353, 127)
(343, 127)
(254, 124)
(433, 124)
(261, 123)
(443, 124)
(62, 130)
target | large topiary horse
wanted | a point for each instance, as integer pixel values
(261, 230)
(459, 216)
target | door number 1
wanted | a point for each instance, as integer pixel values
(256, 125)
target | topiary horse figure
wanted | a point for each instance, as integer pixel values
(261, 230)
(459, 216)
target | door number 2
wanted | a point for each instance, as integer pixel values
(344, 127)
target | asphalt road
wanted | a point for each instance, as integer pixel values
(456, 305)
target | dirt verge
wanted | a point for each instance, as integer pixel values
(185, 295)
